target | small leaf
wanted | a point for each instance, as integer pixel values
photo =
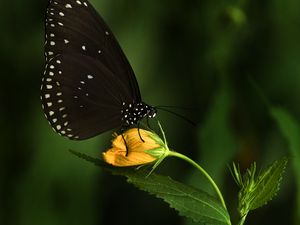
(267, 184)
(188, 201)
(256, 192)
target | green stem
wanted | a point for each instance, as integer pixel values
(179, 155)
(192, 162)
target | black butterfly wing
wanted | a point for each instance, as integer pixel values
(87, 76)
(74, 26)
(78, 102)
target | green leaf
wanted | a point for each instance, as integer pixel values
(188, 201)
(256, 192)
(267, 184)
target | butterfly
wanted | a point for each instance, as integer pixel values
(88, 85)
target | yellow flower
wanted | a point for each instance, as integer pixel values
(153, 149)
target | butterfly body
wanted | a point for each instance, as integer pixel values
(88, 86)
(134, 112)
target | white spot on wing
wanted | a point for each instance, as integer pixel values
(90, 76)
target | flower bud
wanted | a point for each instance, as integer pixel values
(139, 153)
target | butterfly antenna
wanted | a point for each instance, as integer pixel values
(176, 107)
(177, 114)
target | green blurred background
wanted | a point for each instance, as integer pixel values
(237, 63)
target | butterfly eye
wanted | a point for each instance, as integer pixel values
(88, 85)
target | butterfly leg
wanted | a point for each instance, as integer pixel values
(140, 132)
(122, 130)
(125, 144)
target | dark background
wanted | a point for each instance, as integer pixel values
(207, 55)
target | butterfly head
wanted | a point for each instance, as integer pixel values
(151, 112)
